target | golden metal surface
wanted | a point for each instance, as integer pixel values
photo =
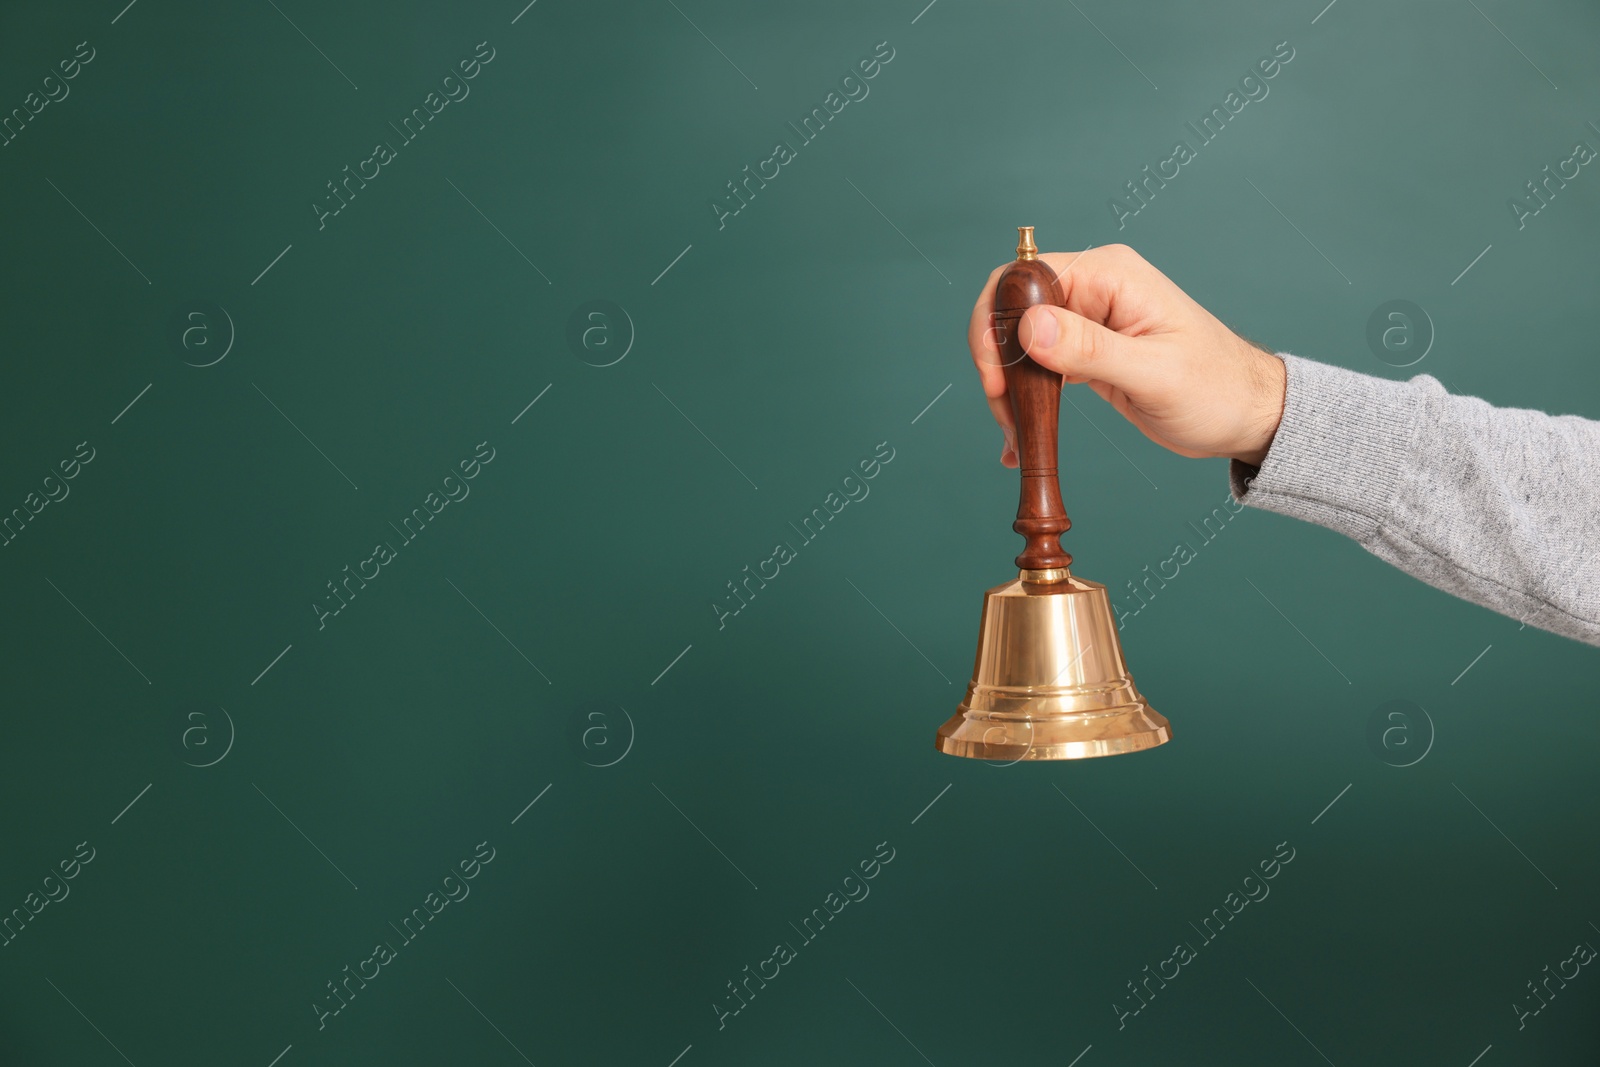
(1049, 576)
(1050, 682)
(1026, 249)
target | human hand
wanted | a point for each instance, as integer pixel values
(1167, 365)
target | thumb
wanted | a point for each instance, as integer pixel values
(1068, 343)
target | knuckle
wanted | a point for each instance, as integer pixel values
(1088, 344)
(1122, 253)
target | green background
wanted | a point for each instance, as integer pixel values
(779, 751)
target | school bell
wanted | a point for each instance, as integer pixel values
(1050, 681)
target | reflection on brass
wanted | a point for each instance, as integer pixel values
(1047, 576)
(1026, 249)
(1050, 682)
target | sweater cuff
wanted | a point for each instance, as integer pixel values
(1340, 452)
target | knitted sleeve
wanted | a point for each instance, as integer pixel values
(1499, 506)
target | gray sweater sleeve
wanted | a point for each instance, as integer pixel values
(1499, 506)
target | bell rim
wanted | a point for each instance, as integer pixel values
(1053, 736)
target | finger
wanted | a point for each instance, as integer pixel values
(1101, 389)
(1116, 287)
(1123, 406)
(1000, 407)
(985, 354)
(1070, 344)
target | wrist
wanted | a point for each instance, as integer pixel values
(1264, 409)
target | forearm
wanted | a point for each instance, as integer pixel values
(1499, 506)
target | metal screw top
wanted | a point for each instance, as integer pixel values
(1026, 249)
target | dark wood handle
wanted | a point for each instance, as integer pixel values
(1036, 406)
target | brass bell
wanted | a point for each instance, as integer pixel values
(1050, 682)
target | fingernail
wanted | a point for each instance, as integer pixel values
(1045, 329)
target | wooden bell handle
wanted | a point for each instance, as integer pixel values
(1035, 405)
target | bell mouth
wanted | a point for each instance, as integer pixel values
(1050, 682)
(976, 735)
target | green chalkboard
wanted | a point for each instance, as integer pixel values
(397, 398)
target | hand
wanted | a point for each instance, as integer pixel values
(1165, 363)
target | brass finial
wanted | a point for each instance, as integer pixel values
(1026, 249)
